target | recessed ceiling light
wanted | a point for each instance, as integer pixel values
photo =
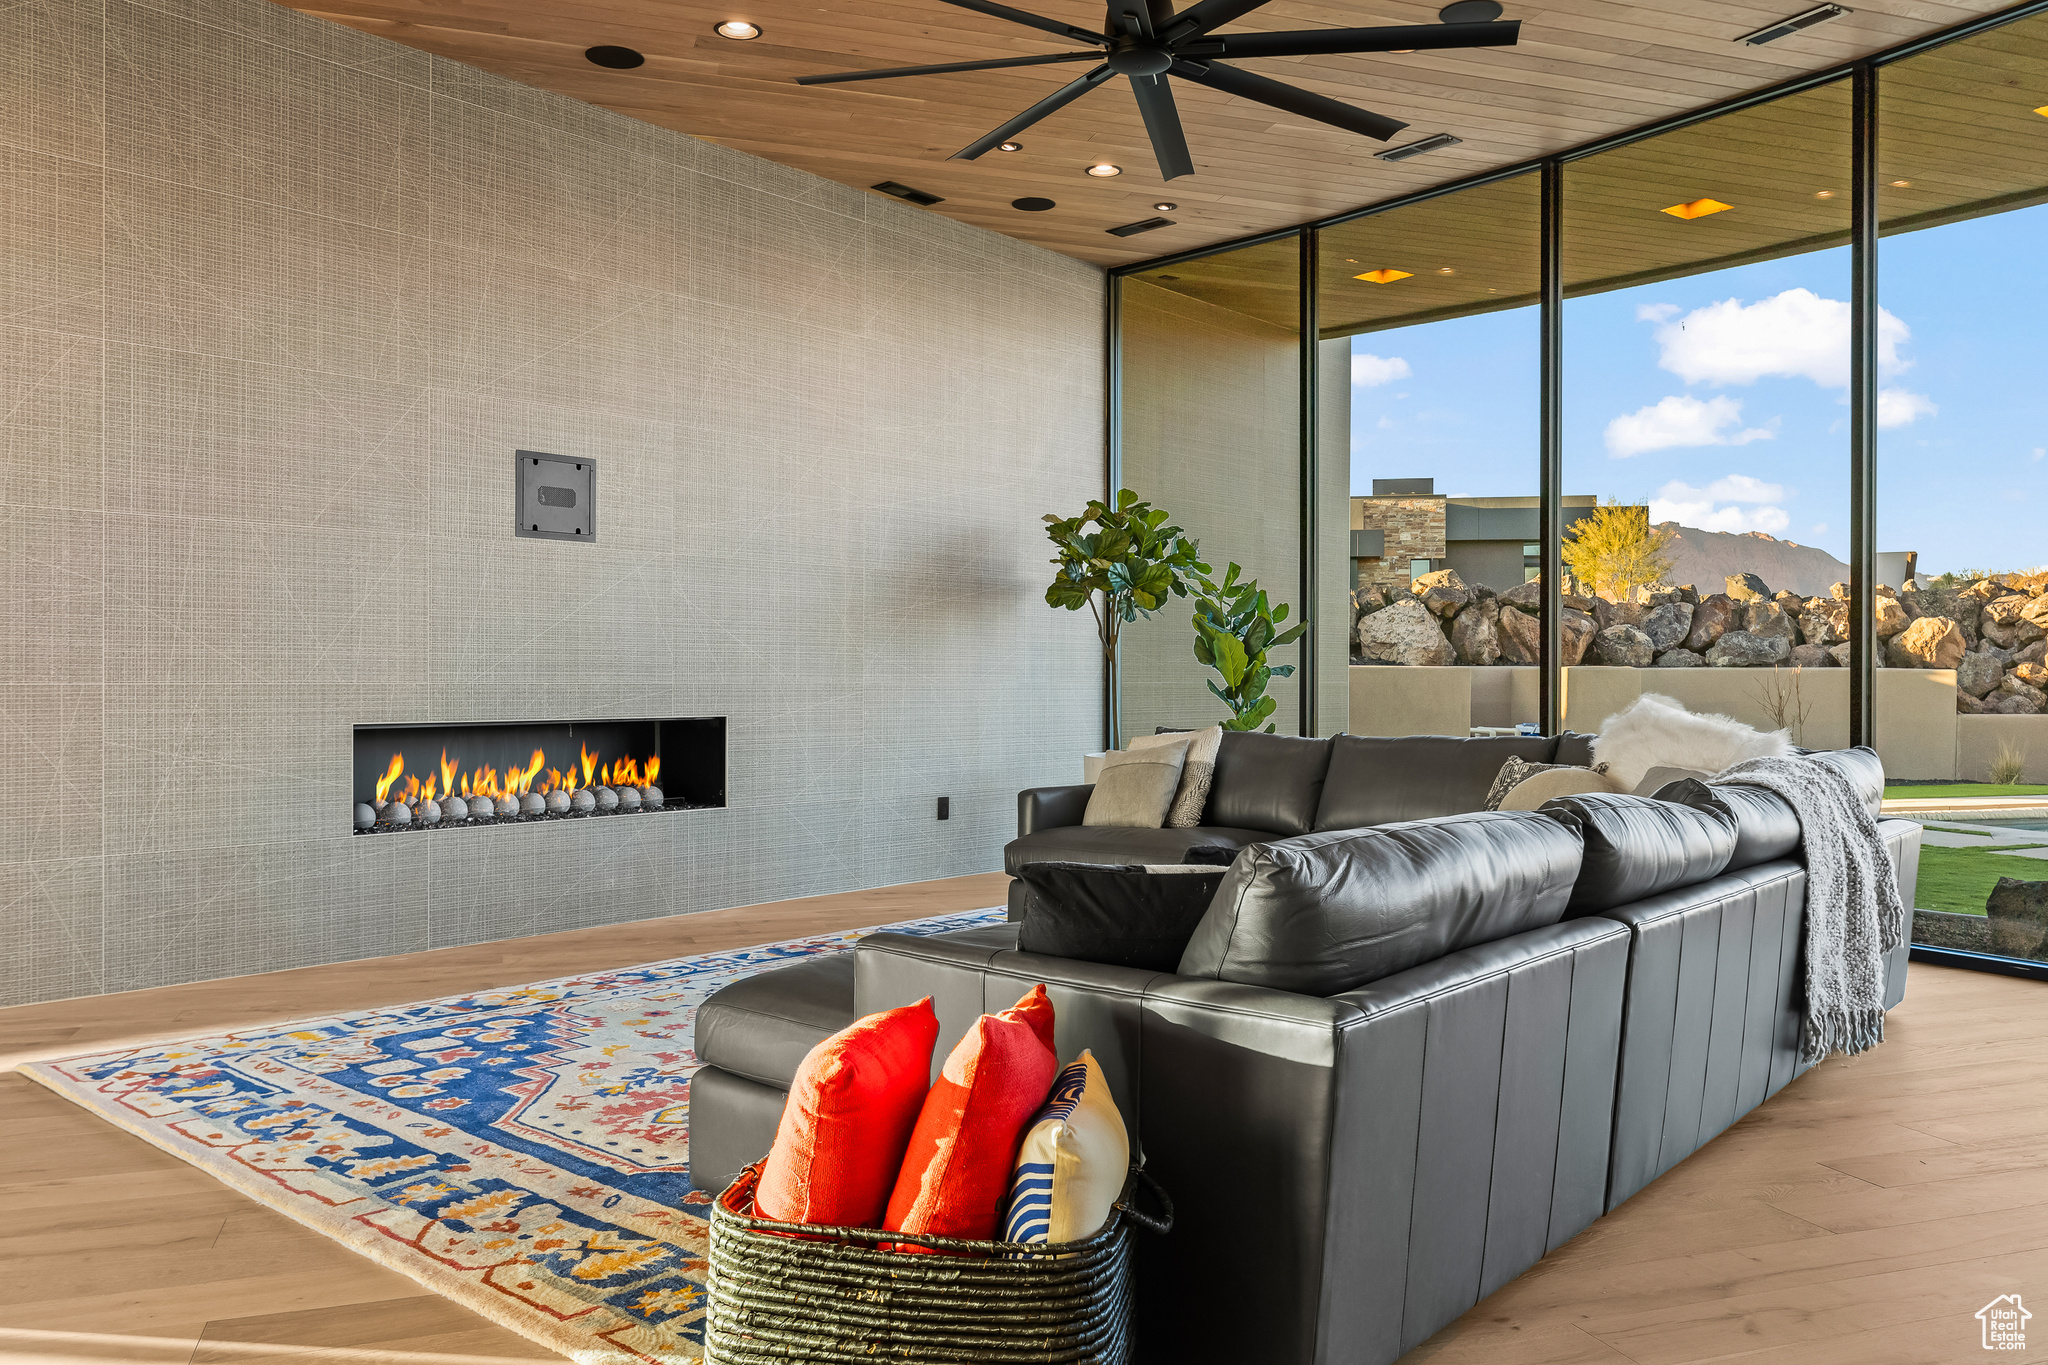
(1144, 225)
(1033, 204)
(616, 58)
(739, 30)
(1785, 28)
(1902, 184)
(1103, 170)
(1446, 270)
(1010, 147)
(1400, 52)
(1470, 12)
(1163, 207)
(1428, 144)
(1823, 194)
(1383, 276)
(1698, 208)
(896, 188)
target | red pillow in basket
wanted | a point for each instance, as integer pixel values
(850, 1111)
(956, 1172)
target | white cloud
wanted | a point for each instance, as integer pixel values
(1655, 312)
(1898, 407)
(2039, 451)
(1736, 502)
(1793, 335)
(1680, 420)
(1371, 371)
(1820, 528)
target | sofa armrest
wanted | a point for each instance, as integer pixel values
(1051, 807)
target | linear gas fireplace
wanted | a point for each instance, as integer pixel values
(432, 777)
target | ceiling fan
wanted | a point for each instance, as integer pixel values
(1146, 41)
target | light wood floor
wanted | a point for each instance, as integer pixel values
(1863, 1215)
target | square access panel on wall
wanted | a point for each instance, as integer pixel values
(556, 496)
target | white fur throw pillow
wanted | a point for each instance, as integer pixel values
(1657, 732)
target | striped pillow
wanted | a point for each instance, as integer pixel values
(1073, 1161)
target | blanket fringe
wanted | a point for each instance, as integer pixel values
(1851, 1032)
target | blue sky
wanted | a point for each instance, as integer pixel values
(1720, 399)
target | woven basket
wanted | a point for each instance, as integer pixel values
(832, 1296)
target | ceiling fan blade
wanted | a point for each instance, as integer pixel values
(1162, 124)
(992, 65)
(1293, 99)
(1057, 100)
(1206, 15)
(1018, 16)
(1398, 38)
(1131, 18)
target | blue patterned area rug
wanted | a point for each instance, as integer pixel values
(524, 1152)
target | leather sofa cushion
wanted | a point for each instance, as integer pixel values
(761, 1027)
(1636, 846)
(1109, 844)
(1122, 916)
(1270, 783)
(1863, 768)
(1575, 749)
(1766, 828)
(1330, 912)
(1375, 781)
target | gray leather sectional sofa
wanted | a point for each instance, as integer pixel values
(1408, 1051)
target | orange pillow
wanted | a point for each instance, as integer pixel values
(956, 1172)
(848, 1117)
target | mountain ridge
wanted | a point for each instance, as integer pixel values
(1706, 558)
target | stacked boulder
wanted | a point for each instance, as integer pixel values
(1992, 632)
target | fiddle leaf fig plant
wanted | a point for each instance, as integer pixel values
(1120, 562)
(1235, 628)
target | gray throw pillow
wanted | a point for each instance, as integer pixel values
(1135, 787)
(1198, 771)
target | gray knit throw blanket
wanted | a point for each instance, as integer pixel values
(1853, 913)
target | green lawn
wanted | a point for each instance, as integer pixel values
(1941, 791)
(1960, 879)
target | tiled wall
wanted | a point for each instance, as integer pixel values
(281, 299)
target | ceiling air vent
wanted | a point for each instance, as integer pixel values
(1428, 144)
(1142, 225)
(918, 197)
(1785, 28)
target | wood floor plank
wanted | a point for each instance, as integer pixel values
(398, 1331)
(1820, 1312)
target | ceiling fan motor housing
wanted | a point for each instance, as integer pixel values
(1140, 60)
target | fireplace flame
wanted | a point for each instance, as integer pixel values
(534, 777)
(390, 776)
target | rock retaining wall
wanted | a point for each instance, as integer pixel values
(1993, 632)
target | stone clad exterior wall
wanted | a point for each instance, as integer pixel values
(1414, 526)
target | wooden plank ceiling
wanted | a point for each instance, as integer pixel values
(1584, 69)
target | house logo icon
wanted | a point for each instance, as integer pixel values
(2005, 1323)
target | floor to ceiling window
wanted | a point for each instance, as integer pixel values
(1705, 452)
(1437, 301)
(1210, 424)
(1707, 358)
(1963, 452)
